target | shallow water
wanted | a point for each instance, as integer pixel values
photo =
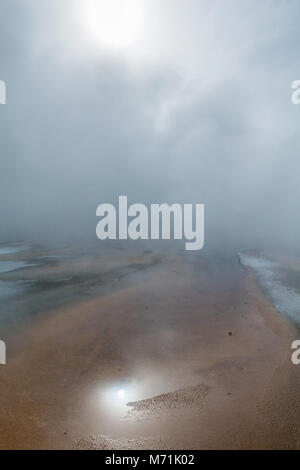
(11, 288)
(272, 277)
(11, 249)
(7, 266)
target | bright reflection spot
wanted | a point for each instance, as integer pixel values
(115, 397)
(110, 399)
(112, 23)
(121, 393)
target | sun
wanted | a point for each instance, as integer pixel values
(112, 23)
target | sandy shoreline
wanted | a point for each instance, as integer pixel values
(195, 348)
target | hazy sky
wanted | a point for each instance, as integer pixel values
(168, 101)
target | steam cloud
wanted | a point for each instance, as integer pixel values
(199, 113)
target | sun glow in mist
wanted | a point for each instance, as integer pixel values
(112, 23)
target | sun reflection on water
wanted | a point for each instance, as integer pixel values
(115, 397)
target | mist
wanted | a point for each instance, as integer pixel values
(198, 110)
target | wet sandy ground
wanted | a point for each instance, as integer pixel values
(154, 352)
